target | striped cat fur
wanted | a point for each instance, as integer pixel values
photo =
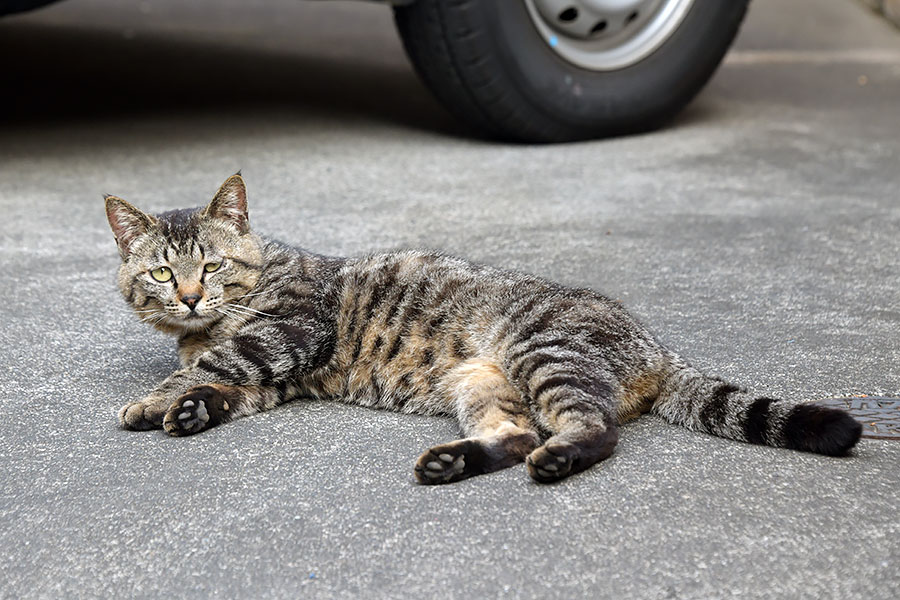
(533, 371)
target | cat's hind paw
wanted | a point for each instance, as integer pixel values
(442, 467)
(450, 462)
(551, 462)
(201, 407)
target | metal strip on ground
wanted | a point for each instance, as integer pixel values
(880, 416)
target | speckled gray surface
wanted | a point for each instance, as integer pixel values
(758, 236)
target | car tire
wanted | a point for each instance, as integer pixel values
(488, 62)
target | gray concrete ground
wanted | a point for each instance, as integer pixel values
(758, 235)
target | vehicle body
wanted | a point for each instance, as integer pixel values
(559, 70)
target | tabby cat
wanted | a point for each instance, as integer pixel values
(533, 371)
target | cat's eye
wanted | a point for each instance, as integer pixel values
(210, 267)
(161, 274)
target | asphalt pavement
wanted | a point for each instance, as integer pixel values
(757, 235)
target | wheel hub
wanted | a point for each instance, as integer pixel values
(604, 35)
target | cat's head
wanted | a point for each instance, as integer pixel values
(180, 269)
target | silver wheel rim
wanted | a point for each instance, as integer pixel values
(605, 35)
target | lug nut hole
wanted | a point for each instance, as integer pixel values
(568, 15)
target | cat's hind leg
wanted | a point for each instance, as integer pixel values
(495, 420)
(578, 410)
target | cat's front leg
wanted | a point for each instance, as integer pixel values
(144, 414)
(211, 404)
(249, 373)
(148, 412)
(182, 406)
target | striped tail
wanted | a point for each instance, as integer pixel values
(703, 403)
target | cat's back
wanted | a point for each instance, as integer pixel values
(433, 289)
(421, 282)
(379, 302)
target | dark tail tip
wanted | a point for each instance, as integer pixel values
(822, 430)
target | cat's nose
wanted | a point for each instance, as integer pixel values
(191, 300)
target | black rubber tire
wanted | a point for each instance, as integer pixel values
(486, 62)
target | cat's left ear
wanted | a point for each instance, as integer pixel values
(230, 204)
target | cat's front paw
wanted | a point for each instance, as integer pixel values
(141, 416)
(201, 407)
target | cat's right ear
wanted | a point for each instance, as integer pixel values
(127, 223)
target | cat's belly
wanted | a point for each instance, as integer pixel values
(415, 391)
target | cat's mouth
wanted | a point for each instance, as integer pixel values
(194, 320)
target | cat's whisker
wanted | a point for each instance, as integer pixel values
(234, 315)
(251, 310)
(207, 328)
(222, 310)
(248, 295)
(154, 319)
(244, 317)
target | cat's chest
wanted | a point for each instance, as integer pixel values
(192, 346)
